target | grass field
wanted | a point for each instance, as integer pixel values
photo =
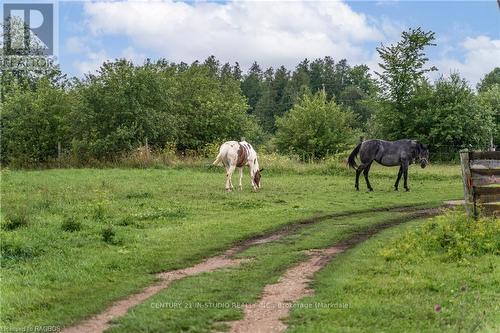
(210, 293)
(401, 295)
(74, 240)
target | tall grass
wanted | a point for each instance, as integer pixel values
(273, 163)
(452, 237)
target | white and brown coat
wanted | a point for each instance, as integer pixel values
(232, 155)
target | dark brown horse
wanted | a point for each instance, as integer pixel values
(388, 153)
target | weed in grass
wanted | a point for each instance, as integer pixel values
(14, 250)
(139, 195)
(108, 235)
(126, 221)
(99, 212)
(168, 213)
(44, 198)
(71, 224)
(16, 220)
(43, 204)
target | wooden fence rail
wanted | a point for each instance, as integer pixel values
(481, 175)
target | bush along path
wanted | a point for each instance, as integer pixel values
(264, 315)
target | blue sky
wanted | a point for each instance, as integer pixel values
(275, 33)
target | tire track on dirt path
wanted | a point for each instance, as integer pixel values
(100, 322)
(265, 315)
(301, 223)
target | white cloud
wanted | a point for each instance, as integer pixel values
(75, 45)
(272, 33)
(480, 55)
(93, 61)
(133, 55)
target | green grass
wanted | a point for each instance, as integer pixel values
(74, 240)
(400, 295)
(208, 300)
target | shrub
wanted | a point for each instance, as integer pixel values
(16, 220)
(108, 235)
(315, 128)
(71, 224)
(99, 212)
(16, 249)
(34, 121)
(126, 221)
(451, 237)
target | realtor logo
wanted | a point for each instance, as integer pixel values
(28, 29)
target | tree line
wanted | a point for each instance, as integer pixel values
(318, 108)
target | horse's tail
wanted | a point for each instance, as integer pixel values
(218, 159)
(351, 160)
(220, 156)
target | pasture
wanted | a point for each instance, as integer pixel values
(75, 240)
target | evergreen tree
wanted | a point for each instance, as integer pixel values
(252, 86)
(276, 99)
(299, 81)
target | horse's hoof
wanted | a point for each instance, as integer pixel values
(395, 189)
(357, 188)
(370, 190)
(228, 190)
(407, 189)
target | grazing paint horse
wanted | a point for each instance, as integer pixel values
(234, 155)
(388, 153)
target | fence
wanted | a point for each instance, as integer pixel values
(481, 175)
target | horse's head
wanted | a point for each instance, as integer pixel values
(423, 155)
(256, 178)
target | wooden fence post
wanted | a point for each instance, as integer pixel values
(480, 172)
(467, 180)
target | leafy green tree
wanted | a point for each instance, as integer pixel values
(190, 105)
(361, 104)
(455, 117)
(403, 69)
(359, 76)
(403, 65)
(489, 80)
(34, 123)
(315, 127)
(490, 100)
(352, 87)
(446, 115)
(210, 110)
(387, 124)
(120, 108)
